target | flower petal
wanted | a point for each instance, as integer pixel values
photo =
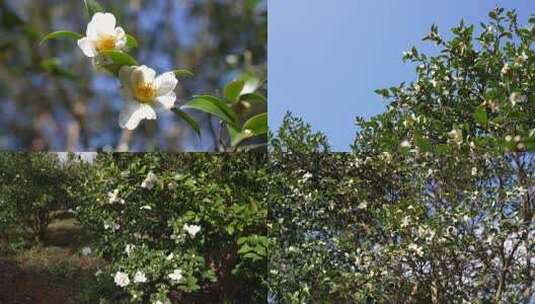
(134, 113)
(88, 47)
(142, 74)
(167, 101)
(101, 23)
(166, 83)
(120, 35)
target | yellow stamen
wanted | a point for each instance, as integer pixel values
(145, 92)
(106, 43)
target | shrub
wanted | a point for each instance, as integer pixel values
(188, 228)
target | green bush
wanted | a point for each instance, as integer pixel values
(187, 228)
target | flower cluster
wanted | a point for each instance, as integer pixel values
(142, 90)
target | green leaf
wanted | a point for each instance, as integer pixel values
(480, 116)
(112, 68)
(187, 118)
(253, 98)
(213, 106)
(423, 144)
(258, 124)
(184, 73)
(255, 126)
(120, 58)
(233, 90)
(61, 34)
(131, 42)
(384, 93)
(93, 7)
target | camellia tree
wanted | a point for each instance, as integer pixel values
(179, 228)
(33, 186)
(478, 92)
(107, 45)
(435, 204)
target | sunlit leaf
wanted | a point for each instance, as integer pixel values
(258, 124)
(233, 90)
(213, 106)
(255, 126)
(131, 42)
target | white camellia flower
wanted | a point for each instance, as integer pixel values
(172, 186)
(140, 277)
(121, 279)
(192, 229)
(176, 275)
(142, 91)
(505, 70)
(86, 251)
(456, 136)
(416, 249)
(363, 205)
(405, 144)
(128, 249)
(149, 181)
(102, 35)
(517, 98)
(114, 197)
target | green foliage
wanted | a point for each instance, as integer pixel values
(480, 86)
(33, 186)
(234, 110)
(296, 136)
(435, 202)
(140, 206)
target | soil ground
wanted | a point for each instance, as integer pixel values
(52, 273)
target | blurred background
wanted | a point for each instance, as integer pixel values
(52, 99)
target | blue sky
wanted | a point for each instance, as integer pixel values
(327, 57)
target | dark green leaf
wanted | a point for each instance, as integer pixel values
(61, 34)
(93, 7)
(184, 73)
(187, 118)
(481, 117)
(253, 98)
